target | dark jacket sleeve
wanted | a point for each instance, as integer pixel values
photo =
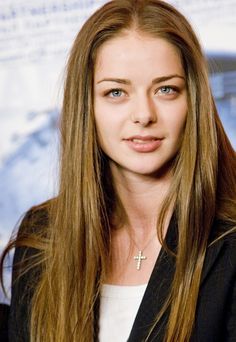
(231, 310)
(23, 284)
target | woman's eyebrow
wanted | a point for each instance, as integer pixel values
(154, 81)
(117, 80)
(166, 78)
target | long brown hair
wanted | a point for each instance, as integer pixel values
(75, 251)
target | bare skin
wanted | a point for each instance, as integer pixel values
(142, 201)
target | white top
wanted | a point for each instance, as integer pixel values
(118, 308)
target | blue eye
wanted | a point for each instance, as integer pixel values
(115, 93)
(166, 90)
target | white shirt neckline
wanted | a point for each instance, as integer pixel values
(119, 305)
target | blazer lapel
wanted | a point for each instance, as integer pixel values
(213, 251)
(212, 254)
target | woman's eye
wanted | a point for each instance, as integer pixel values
(166, 90)
(115, 93)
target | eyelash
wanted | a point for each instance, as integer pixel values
(170, 88)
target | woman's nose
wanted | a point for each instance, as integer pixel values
(144, 111)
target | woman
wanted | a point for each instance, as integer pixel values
(140, 242)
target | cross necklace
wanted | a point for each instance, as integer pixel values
(140, 257)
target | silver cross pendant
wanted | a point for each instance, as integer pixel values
(140, 257)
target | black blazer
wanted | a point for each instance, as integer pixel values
(216, 309)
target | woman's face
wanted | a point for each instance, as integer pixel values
(140, 103)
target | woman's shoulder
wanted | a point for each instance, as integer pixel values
(223, 230)
(34, 219)
(27, 268)
(31, 232)
(223, 243)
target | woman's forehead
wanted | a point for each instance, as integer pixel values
(135, 52)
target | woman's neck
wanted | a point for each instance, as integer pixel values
(142, 198)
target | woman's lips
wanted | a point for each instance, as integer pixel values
(144, 144)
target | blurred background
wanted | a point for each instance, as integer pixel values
(35, 38)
